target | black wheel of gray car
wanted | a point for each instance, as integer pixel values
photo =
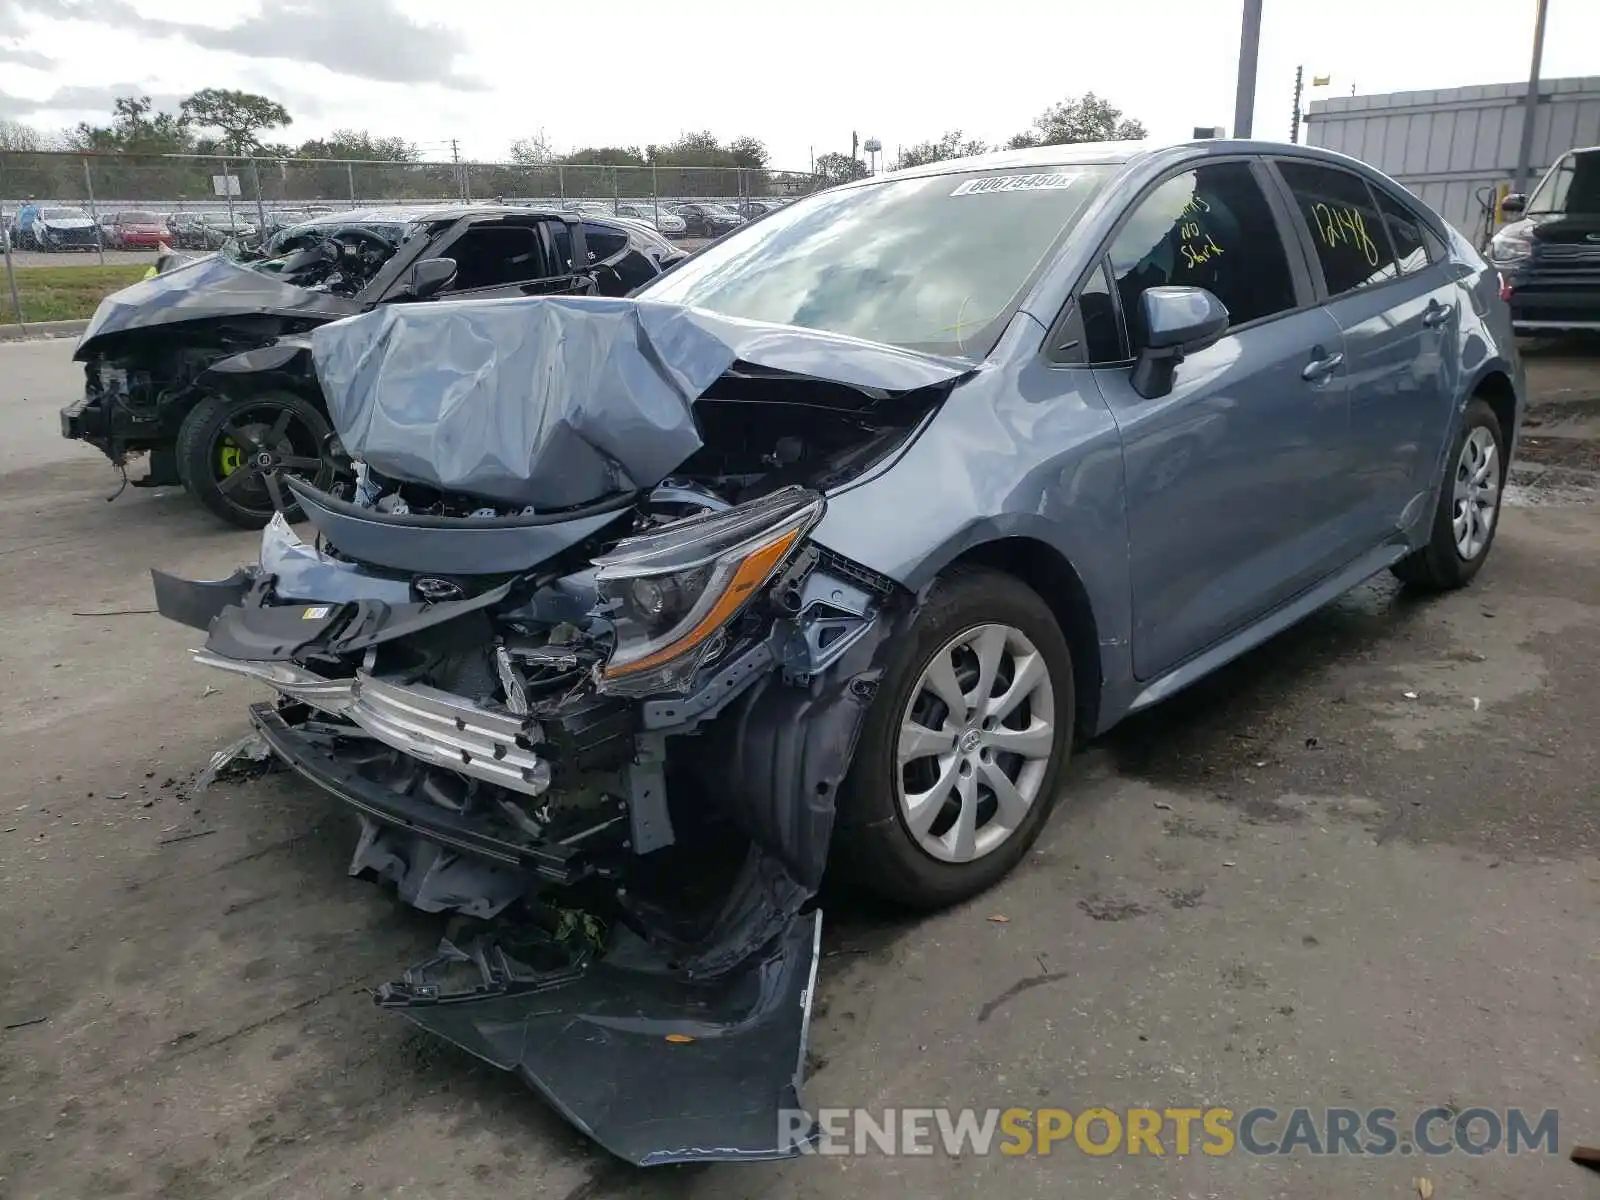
(960, 755)
(1468, 512)
(228, 449)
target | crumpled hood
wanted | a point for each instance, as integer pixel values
(202, 290)
(65, 222)
(559, 401)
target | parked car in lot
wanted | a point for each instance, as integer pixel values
(135, 230)
(1549, 258)
(56, 227)
(285, 218)
(657, 216)
(206, 366)
(215, 230)
(750, 209)
(178, 226)
(704, 220)
(823, 551)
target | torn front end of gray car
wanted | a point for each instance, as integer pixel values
(567, 650)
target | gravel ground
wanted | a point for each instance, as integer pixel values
(1359, 867)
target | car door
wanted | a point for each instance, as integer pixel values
(1228, 474)
(1396, 304)
(508, 256)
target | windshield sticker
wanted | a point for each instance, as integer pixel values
(1053, 182)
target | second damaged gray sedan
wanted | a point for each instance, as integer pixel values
(819, 552)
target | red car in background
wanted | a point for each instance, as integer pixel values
(136, 231)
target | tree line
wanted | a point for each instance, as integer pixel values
(127, 160)
(237, 124)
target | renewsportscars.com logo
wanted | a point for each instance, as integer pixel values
(1178, 1132)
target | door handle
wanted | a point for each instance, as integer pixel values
(1319, 368)
(1436, 314)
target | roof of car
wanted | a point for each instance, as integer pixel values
(1084, 153)
(1114, 154)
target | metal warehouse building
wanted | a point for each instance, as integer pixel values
(1454, 147)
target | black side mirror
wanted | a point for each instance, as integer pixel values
(1178, 321)
(430, 276)
(1513, 203)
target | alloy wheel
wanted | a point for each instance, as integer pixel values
(975, 741)
(262, 441)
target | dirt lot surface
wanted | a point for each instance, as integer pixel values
(1359, 868)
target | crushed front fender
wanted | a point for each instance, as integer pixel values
(655, 1066)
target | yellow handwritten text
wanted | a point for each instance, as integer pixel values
(1201, 251)
(1345, 227)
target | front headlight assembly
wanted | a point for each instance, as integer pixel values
(671, 593)
(1510, 246)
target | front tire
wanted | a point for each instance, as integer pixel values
(227, 447)
(1468, 513)
(960, 755)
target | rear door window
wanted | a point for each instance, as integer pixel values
(1344, 225)
(1211, 228)
(1405, 231)
(603, 241)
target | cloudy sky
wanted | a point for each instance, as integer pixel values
(800, 76)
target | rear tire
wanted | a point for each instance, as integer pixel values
(885, 843)
(219, 446)
(1468, 513)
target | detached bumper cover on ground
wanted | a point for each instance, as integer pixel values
(567, 652)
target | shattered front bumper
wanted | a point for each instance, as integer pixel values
(680, 1033)
(654, 1059)
(656, 1067)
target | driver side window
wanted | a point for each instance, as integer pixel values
(496, 256)
(1212, 228)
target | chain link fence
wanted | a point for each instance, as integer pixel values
(104, 184)
(198, 201)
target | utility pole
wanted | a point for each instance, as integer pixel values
(855, 143)
(1244, 99)
(1530, 105)
(455, 157)
(1299, 88)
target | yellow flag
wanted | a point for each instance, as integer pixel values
(1321, 80)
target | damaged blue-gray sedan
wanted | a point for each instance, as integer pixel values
(817, 553)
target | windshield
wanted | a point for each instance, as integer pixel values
(1571, 187)
(138, 218)
(64, 214)
(935, 264)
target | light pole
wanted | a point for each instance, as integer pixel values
(1244, 99)
(1530, 104)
